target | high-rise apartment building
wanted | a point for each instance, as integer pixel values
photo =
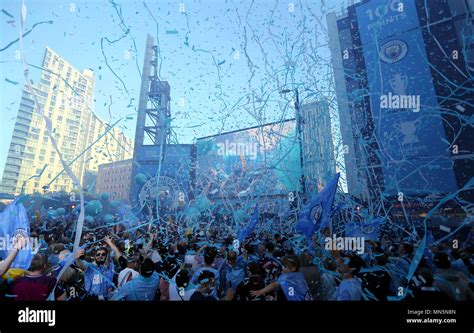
(66, 96)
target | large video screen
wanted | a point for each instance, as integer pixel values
(250, 162)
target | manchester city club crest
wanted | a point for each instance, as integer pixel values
(21, 232)
(316, 213)
(393, 51)
(165, 189)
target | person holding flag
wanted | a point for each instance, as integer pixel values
(15, 226)
(19, 243)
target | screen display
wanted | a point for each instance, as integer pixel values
(250, 162)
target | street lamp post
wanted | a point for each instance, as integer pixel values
(299, 130)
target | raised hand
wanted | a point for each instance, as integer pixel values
(108, 240)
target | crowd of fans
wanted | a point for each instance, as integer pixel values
(161, 264)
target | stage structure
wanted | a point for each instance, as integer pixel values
(160, 181)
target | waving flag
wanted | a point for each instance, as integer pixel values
(317, 214)
(14, 221)
(250, 227)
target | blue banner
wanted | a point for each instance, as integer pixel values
(408, 123)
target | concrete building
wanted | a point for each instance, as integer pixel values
(114, 178)
(318, 146)
(66, 95)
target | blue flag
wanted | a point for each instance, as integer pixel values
(317, 214)
(14, 221)
(250, 227)
(368, 230)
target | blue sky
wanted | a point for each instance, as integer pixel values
(225, 60)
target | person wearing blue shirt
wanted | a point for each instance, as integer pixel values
(180, 288)
(349, 290)
(231, 272)
(350, 287)
(291, 282)
(209, 257)
(98, 276)
(143, 288)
